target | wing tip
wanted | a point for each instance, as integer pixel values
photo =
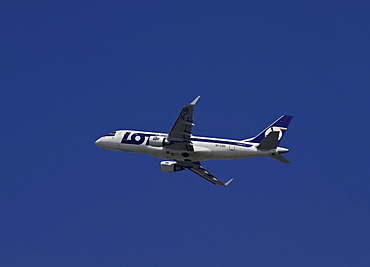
(228, 182)
(195, 100)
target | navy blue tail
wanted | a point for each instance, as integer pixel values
(280, 125)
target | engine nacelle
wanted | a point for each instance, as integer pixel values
(158, 141)
(170, 166)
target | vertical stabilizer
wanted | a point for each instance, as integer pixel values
(279, 126)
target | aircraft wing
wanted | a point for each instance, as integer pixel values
(180, 133)
(197, 168)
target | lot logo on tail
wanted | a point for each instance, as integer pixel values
(275, 129)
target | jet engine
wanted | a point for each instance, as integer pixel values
(170, 166)
(158, 141)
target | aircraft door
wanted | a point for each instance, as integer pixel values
(232, 147)
(117, 139)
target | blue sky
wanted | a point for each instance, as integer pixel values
(73, 71)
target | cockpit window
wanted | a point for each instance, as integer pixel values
(111, 134)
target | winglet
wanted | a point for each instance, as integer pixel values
(195, 100)
(228, 182)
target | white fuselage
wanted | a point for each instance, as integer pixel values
(205, 148)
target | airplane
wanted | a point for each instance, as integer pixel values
(181, 150)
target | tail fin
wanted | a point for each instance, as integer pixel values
(280, 126)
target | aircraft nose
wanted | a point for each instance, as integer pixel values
(98, 142)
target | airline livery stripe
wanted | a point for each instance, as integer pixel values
(220, 142)
(204, 140)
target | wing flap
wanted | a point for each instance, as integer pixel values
(206, 175)
(187, 122)
(197, 168)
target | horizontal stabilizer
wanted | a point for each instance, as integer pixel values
(270, 141)
(279, 157)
